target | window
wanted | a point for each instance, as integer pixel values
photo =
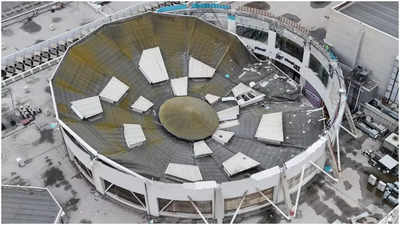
(254, 199)
(251, 33)
(317, 67)
(290, 47)
(86, 170)
(184, 206)
(76, 142)
(124, 194)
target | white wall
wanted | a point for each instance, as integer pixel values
(358, 44)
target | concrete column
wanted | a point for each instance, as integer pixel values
(306, 61)
(232, 22)
(219, 206)
(285, 188)
(271, 43)
(98, 182)
(151, 200)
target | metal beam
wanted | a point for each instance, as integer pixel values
(338, 151)
(238, 208)
(166, 206)
(299, 190)
(319, 168)
(108, 188)
(349, 132)
(143, 205)
(275, 206)
(197, 209)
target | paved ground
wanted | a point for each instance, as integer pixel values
(48, 164)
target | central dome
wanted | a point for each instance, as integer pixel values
(188, 118)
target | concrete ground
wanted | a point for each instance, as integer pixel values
(48, 165)
(25, 34)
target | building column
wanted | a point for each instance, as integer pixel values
(306, 61)
(285, 188)
(97, 180)
(151, 200)
(232, 21)
(219, 206)
(271, 43)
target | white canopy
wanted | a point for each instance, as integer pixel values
(239, 163)
(200, 148)
(87, 107)
(184, 172)
(151, 64)
(388, 162)
(134, 135)
(113, 91)
(141, 105)
(179, 86)
(198, 69)
(222, 136)
(270, 128)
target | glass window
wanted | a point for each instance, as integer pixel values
(289, 47)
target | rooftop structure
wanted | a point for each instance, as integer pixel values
(21, 204)
(381, 15)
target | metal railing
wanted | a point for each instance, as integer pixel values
(66, 37)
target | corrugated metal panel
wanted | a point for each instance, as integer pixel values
(151, 64)
(239, 163)
(179, 86)
(228, 124)
(134, 135)
(141, 105)
(184, 172)
(87, 107)
(270, 128)
(198, 69)
(113, 91)
(27, 205)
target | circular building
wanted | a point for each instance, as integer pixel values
(174, 116)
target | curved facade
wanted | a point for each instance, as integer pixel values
(215, 199)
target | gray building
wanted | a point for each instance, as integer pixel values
(366, 34)
(22, 204)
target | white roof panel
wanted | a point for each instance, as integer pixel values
(184, 172)
(222, 136)
(240, 89)
(113, 91)
(388, 162)
(198, 69)
(141, 105)
(228, 114)
(227, 124)
(211, 98)
(270, 128)
(151, 64)
(179, 86)
(200, 148)
(239, 163)
(134, 135)
(87, 107)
